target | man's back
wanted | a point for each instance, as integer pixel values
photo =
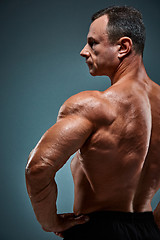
(115, 168)
(115, 135)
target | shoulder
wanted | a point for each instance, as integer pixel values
(89, 104)
(79, 103)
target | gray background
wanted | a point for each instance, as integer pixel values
(40, 66)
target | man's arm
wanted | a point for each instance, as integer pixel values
(51, 153)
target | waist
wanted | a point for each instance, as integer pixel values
(129, 217)
(116, 224)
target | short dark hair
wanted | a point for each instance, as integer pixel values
(124, 21)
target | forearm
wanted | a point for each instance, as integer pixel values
(45, 208)
(42, 190)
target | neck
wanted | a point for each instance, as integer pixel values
(131, 67)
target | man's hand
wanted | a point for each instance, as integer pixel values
(66, 221)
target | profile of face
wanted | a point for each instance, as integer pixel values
(101, 56)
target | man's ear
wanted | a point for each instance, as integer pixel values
(125, 46)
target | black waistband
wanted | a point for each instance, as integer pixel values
(122, 216)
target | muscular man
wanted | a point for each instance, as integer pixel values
(116, 137)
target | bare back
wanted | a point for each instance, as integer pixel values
(115, 168)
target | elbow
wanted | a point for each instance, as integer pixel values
(38, 172)
(39, 177)
(31, 164)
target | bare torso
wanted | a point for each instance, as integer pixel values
(115, 168)
(115, 135)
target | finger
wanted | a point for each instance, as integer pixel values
(67, 215)
(69, 220)
(73, 221)
(81, 219)
(59, 234)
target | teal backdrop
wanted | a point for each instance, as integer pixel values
(41, 67)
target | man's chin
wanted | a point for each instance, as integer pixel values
(96, 73)
(92, 72)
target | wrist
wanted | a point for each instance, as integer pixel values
(51, 225)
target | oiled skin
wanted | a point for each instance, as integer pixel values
(118, 166)
(115, 135)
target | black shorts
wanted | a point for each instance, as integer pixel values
(110, 225)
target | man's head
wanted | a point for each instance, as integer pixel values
(124, 22)
(114, 33)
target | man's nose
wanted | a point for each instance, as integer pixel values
(85, 52)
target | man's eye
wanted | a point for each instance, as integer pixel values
(92, 43)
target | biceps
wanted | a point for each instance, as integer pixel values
(63, 139)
